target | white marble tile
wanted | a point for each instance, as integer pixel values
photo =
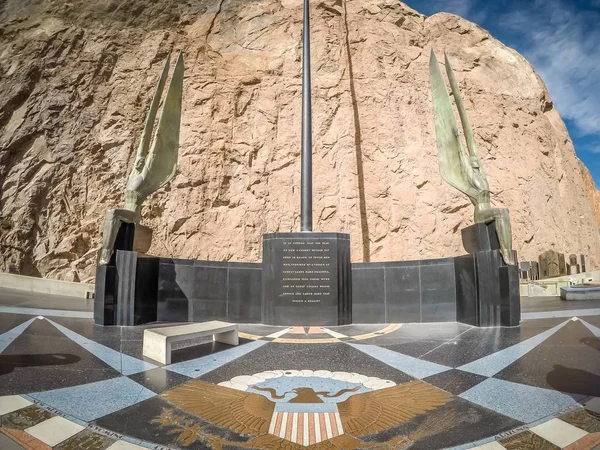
(559, 432)
(54, 431)
(495, 445)
(12, 403)
(123, 445)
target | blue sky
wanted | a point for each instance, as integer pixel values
(561, 38)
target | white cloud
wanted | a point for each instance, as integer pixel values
(592, 148)
(464, 8)
(459, 7)
(563, 44)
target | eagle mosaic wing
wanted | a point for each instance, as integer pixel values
(242, 412)
(375, 411)
(453, 160)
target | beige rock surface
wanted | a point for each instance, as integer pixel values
(591, 191)
(77, 78)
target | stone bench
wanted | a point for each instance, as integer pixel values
(157, 341)
(580, 292)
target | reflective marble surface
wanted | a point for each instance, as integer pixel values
(442, 385)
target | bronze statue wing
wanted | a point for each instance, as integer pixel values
(375, 411)
(452, 159)
(242, 412)
(161, 161)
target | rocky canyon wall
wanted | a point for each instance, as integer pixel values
(77, 79)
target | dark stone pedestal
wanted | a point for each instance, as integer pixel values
(487, 290)
(480, 237)
(307, 279)
(105, 295)
(126, 290)
(510, 296)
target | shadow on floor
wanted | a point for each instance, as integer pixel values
(197, 351)
(574, 381)
(8, 363)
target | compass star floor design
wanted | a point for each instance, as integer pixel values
(68, 384)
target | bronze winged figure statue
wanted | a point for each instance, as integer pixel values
(458, 168)
(155, 164)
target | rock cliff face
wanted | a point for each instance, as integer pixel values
(78, 76)
(592, 193)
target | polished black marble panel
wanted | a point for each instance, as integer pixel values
(435, 261)
(307, 279)
(368, 294)
(438, 293)
(487, 264)
(244, 291)
(467, 307)
(510, 296)
(126, 263)
(105, 296)
(175, 291)
(177, 261)
(405, 291)
(403, 294)
(209, 290)
(210, 283)
(209, 294)
(146, 290)
(204, 310)
(124, 240)
(487, 291)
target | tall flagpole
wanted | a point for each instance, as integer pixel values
(306, 148)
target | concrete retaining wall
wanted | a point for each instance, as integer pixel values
(45, 286)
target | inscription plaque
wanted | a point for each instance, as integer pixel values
(306, 279)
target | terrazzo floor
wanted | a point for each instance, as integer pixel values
(68, 384)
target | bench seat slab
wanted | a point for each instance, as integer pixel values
(157, 341)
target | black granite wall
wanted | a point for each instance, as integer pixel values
(476, 289)
(191, 290)
(404, 291)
